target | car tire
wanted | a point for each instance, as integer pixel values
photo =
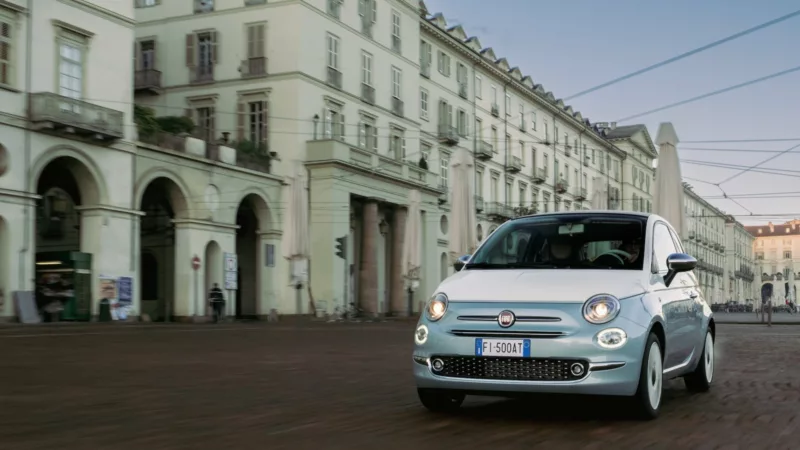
(700, 380)
(440, 400)
(648, 397)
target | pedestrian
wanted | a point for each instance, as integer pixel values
(766, 303)
(217, 299)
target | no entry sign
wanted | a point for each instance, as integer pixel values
(195, 262)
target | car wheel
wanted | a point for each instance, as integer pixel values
(439, 400)
(700, 380)
(647, 400)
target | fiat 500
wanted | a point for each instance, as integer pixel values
(599, 303)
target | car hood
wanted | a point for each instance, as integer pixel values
(540, 285)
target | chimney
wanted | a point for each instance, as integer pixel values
(613, 125)
(771, 228)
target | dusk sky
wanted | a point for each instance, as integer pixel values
(570, 46)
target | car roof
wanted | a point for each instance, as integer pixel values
(592, 212)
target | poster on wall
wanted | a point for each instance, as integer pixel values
(108, 292)
(125, 291)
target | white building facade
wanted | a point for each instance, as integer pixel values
(739, 270)
(776, 248)
(707, 242)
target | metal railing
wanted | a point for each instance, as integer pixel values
(147, 78)
(77, 114)
(368, 93)
(254, 66)
(334, 78)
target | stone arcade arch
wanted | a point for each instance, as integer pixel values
(252, 218)
(162, 199)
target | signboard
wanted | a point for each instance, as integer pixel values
(125, 290)
(231, 271)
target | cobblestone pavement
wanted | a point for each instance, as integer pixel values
(331, 386)
(744, 318)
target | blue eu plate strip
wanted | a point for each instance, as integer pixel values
(526, 347)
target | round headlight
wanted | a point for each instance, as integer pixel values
(612, 338)
(437, 307)
(601, 309)
(421, 335)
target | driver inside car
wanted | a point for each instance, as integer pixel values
(633, 248)
(560, 250)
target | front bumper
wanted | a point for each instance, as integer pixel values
(555, 347)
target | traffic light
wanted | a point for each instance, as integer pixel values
(341, 247)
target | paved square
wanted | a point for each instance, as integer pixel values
(330, 386)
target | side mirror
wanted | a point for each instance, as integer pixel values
(677, 263)
(460, 262)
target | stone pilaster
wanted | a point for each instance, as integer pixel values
(368, 272)
(397, 291)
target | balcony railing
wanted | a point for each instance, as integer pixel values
(147, 80)
(425, 69)
(485, 151)
(514, 164)
(368, 93)
(539, 175)
(72, 116)
(366, 26)
(479, 206)
(334, 78)
(397, 107)
(396, 44)
(203, 74)
(495, 110)
(448, 134)
(462, 89)
(580, 193)
(497, 209)
(562, 186)
(254, 67)
(568, 150)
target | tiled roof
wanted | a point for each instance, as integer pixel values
(624, 132)
(791, 228)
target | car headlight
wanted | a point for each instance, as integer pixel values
(436, 307)
(601, 309)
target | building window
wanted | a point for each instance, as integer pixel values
(425, 57)
(423, 104)
(334, 7)
(444, 64)
(478, 87)
(205, 123)
(71, 71)
(533, 120)
(397, 83)
(333, 123)
(333, 51)
(522, 117)
(366, 68)
(425, 151)
(396, 31)
(444, 169)
(445, 113)
(787, 255)
(147, 55)
(462, 123)
(203, 6)
(368, 135)
(508, 105)
(6, 50)
(397, 144)
(258, 121)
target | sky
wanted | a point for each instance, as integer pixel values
(572, 45)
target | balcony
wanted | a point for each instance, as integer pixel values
(568, 150)
(462, 89)
(397, 107)
(498, 210)
(514, 164)
(691, 235)
(425, 70)
(495, 110)
(522, 210)
(69, 116)
(396, 44)
(485, 151)
(479, 206)
(253, 67)
(366, 26)
(202, 74)
(334, 78)
(586, 161)
(448, 134)
(147, 81)
(539, 175)
(367, 94)
(361, 161)
(579, 194)
(562, 186)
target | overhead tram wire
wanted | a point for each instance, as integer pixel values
(687, 54)
(711, 94)
(755, 166)
(736, 141)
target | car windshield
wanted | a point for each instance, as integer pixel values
(570, 241)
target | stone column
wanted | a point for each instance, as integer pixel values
(368, 272)
(398, 295)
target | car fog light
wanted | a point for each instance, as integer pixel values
(612, 338)
(421, 335)
(438, 365)
(576, 369)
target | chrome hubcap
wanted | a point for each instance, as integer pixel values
(709, 359)
(654, 376)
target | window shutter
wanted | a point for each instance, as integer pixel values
(191, 46)
(404, 148)
(341, 127)
(374, 10)
(264, 125)
(212, 124)
(261, 36)
(362, 135)
(362, 8)
(214, 42)
(154, 64)
(375, 138)
(136, 49)
(241, 121)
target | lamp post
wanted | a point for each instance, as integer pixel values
(316, 121)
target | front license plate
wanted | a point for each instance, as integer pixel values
(520, 348)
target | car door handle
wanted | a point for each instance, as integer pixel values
(692, 295)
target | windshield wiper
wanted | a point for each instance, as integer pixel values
(510, 266)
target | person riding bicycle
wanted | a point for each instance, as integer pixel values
(217, 300)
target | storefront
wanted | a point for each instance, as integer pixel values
(63, 285)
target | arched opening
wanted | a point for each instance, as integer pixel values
(162, 201)
(5, 293)
(65, 239)
(251, 216)
(214, 275)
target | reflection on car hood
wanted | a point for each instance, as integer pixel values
(540, 285)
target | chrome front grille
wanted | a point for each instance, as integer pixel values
(488, 318)
(508, 334)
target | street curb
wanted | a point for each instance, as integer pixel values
(756, 323)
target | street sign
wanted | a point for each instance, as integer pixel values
(231, 271)
(195, 262)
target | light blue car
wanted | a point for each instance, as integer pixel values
(585, 302)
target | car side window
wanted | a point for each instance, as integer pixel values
(677, 242)
(663, 246)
